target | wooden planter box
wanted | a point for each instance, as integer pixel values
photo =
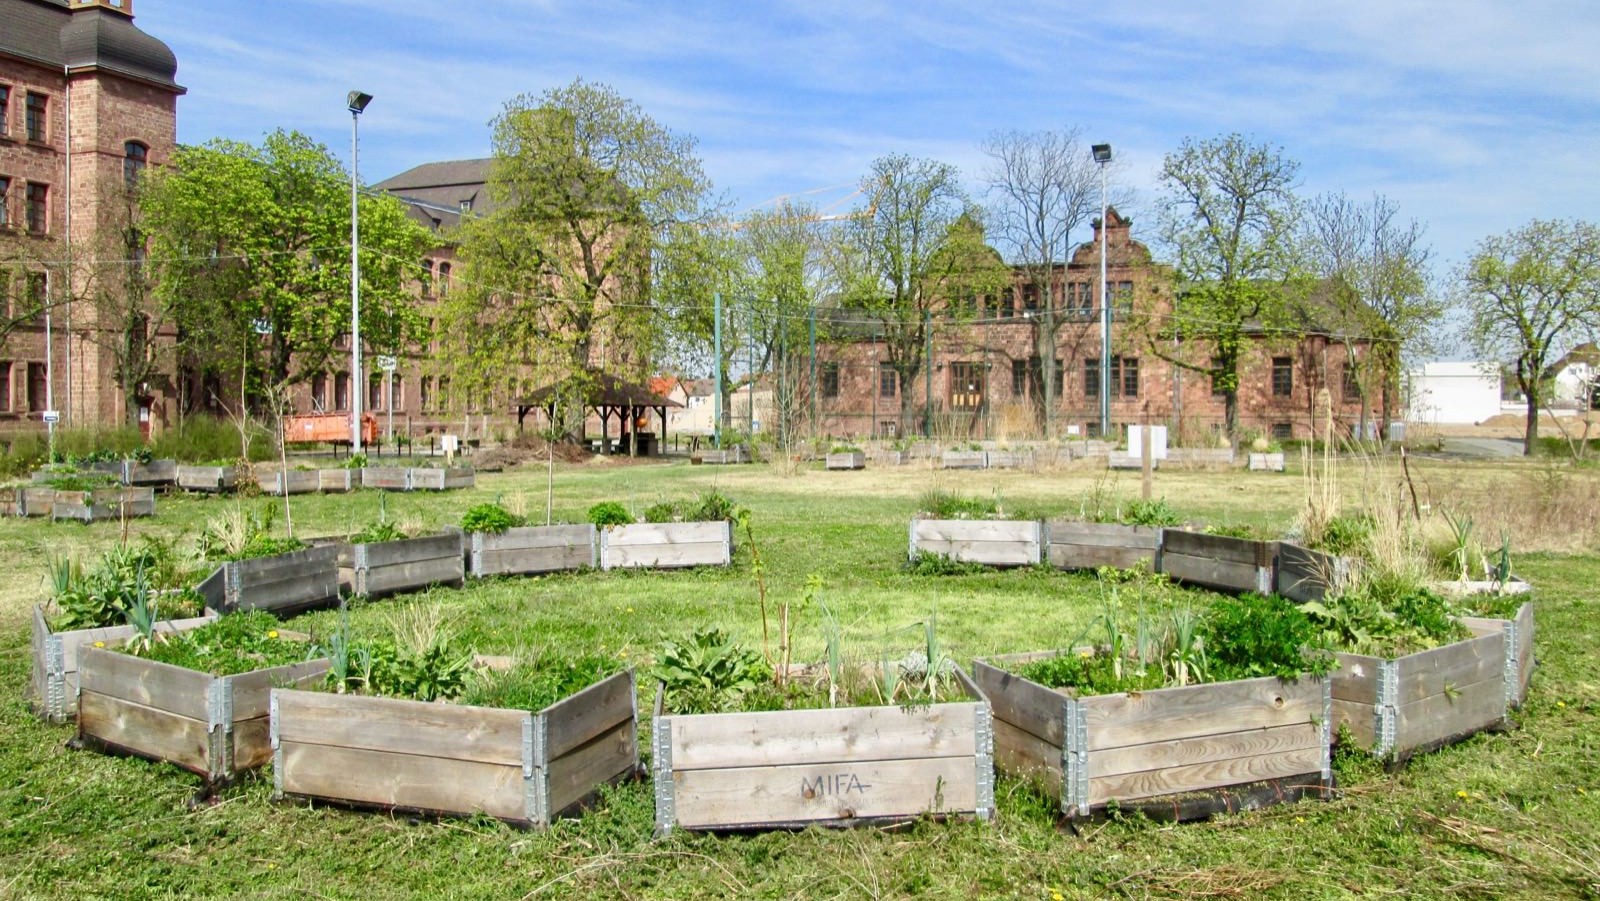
(389, 478)
(1413, 704)
(215, 726)
(1005, 459)
(10, 502)
(285, 584)
(207, 478)
(1519, 649)
(845, 766)
(54, 687)
(36, 500)
(1224, 745)
(964, 460)
(1272, 462)
(441, 479)
(1217, 561)
(993, 542)
(1071, 545)
(521, 767)
(410, 564)
(666, 545)
(1458, 588)
(338, 481)
(727, 455)
(846, 460)
(1128, 461)
(1200, 456)
(1306, 575)
(104, 503)
(533, 549)
(288, 481)
(156, 472)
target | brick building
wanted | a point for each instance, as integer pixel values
(87, 100)
(986, 378)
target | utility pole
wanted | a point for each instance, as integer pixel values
(716, 366)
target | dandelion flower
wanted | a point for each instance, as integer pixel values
(1055, 895)
(1462, 794)
(272, 633)
(1562, 705)
(99, 644)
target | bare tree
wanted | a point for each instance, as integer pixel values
(1043, 185)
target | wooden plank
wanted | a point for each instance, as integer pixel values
(252, 744)
(991, 542)
(1468, 709)
(392, 478)
(460, 478)
(1524, 652)
(674, 544)
(338, 480)
(1022, 703)
(1222, 548)
(206, 478)
(408, 576)
(398, 726)
(1184, 752)
(575, 775)
(822, 792)
(1027, 756)
(1356, 679)
(409, 550)
(775, 738)
(1196, 777)
(1119, 720)
(1103, 534)
(405, 781)
(1306, 575)
(149, 683)
(1438, 670)
(533, 549)
(579, 719)
(1073, 556)
(1209, 572)
(145, 731)
(252, 691)
(41, 676)
(1359, 721)
(74, 641)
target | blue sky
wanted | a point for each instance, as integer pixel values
(1474, 116)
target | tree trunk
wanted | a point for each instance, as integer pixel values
(1530, 434)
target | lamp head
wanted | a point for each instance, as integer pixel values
(359, 101)
(1102, 153)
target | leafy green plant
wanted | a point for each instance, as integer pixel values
(374, 532)
(610, 513)
(243, 533)
(713, 507)
(1385, 618)
(661, 511)
(354, 461)
(104, 594)
(940, 504)
(1231, 530)
(709, 672)
(420, 661)
(1347, 535)
(1252, 635)
(1459, 554)
(491, 519)
(1150, 513)
(536, 685)
(236, 643)
(932, 563)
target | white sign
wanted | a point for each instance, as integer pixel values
(449, 443)
(388, 363)
(1158, 441)
(52, 416)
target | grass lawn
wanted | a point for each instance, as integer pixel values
(1513, 814)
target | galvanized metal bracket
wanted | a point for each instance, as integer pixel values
(535, 774)
(1387, 706)
(1075, 759)
(476, 555)
(983, 729)
(661, 762)
(277, 746)
(55, 680)
(1327, 732)
(219, 726)
(1512, 672)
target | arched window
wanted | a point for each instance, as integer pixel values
(134, 157)
(444, 279)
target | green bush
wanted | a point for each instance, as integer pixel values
(664, 511)
(201, 439)
(1252, 635)
(491, 519)
(610, 513)
(712, 508)
(950, 505)
(1150, 513)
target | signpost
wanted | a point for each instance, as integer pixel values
(388, 364)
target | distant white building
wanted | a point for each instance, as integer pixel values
(1463, 393)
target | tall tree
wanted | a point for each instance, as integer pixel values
(1377, 269)
(1529, 294)
(915, 245)
(1042, 186)
(784, 254)
(250, 255)
(693, 267)
(583, 186)
(1227, 215)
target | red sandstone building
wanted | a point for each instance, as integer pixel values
(87, 100)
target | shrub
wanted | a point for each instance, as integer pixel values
(204, 438)
(712, 507)
(609, 513)
(1251, 635)
(491, 519)
(949, 505)
(1150, 513)
(664, 511)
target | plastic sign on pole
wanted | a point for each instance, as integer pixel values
(1158, 441)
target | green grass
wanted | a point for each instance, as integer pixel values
(1499, 815)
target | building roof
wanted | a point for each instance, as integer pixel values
(603, 390)
(86, 35)
(436, 194)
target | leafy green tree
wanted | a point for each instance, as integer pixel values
(1228, 214)
(1528, 294)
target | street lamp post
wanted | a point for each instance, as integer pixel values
(1102, 155)
(358, 102)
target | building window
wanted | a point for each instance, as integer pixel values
(444, 279)
(427, 282)
(1091, 377)
(37, 380)
(1019, 378)
(5, 110)
(1030, 298)
(375, 392)
(397, 394)
(1282, 431)
(341, 391)
(1124, 377)
(444, 393)
(5, 386)
(35, 294)
(38, 200)
(38, 107)
(134, 157)
(1080, 301)
(425, 393)
(830, 379)
(5, 201)
(888, 380)
(966, 386)
(1350, 385)
(319, 392)
(1122, 300)
(1002, 305)
(1282, 376)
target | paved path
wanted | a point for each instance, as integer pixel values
(1484, 447)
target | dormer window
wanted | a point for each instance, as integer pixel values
(466, 206)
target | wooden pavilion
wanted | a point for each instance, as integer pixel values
(606, 396)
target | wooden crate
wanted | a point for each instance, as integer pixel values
(993, 542)
(388, 567)
(338, 481)
(389, 478)
(1272, 462)
(215, 726)
(533, 549)
(287, 481)
(1008, 459)
(726, 456)
(104, 503)
(666, 545)
(1239, 744)
(10, 502)
(1409, 705)
(156, 472)
(434, 479)
(36, 500)
(834, 767)
(1306, 575)
(521, 767)
(1218, 561)
(963, 460)
(846, 460)
(54, 687)
(207, 478)
(1200, 456)
(285, 584)
(1072, 545)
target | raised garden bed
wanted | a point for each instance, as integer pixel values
(389, 478)
(288, 481)
(964, 459)
(1461, 588)
(55, 659)
(207, 478)
(284, 584)
(846, 460)
(35, 500)
(1402, 706)
(104, 503)
(410, 564)
(1302, 574)
(215, 726)
(1272, 462)
(10, 502)
(993, 542)
(156, 472)
(666, 545)
(338, 481)
(1200, 456)
(1174, 753)
(1008, 459)
(845, 766)
(522, 767)
(436, 479)
(1218, 561)
(1128, 461)
(533, 549)
(1519, 649)
(1075, 545)
(725, 456)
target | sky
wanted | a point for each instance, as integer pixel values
(1473, 116)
